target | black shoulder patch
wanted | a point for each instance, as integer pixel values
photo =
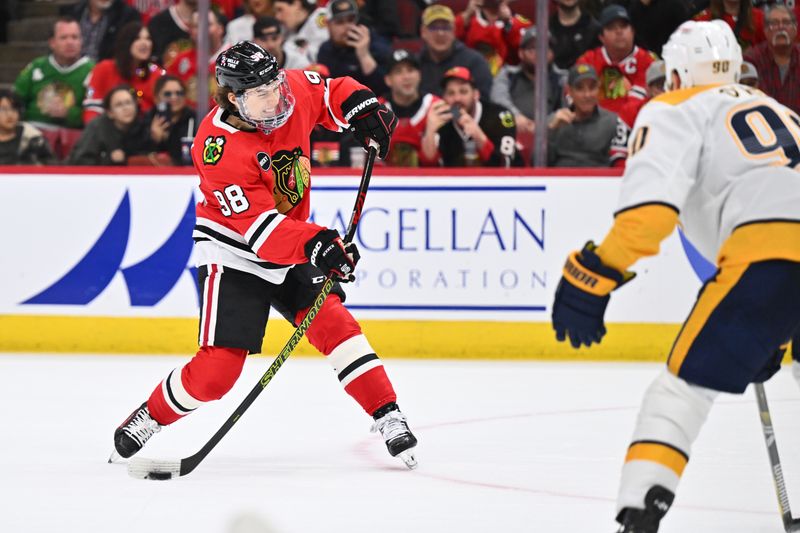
(264, 161)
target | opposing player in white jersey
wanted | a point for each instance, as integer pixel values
(723, 159)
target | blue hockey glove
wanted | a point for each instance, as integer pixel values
(582, 296)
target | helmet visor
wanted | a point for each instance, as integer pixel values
(267, 106)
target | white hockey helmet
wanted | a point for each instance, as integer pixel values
(702, 53)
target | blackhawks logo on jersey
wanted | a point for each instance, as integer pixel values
(613, 84)
(212, 149)
(292, 172)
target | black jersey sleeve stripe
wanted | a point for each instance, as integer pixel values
(260, 229)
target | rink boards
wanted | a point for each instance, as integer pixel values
(455, 264)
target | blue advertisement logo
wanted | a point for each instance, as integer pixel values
(148, 281)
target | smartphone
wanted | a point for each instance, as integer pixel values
(163, 110)
(456, 112)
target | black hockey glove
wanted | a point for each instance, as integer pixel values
(327, 252)
(582, 296)
(370, 119)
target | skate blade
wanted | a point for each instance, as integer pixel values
(116, 459)
(409, 458)
(160, 470)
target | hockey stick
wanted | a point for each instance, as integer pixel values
(789, 523)
(161, 469)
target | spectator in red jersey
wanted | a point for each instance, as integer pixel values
(100, 22)
(573, 31)
(241, 28)
(584, 134)
(131, 65)
(777, 60)
(170, 30)
(491, 28)
(411, 108)
(184, 66)
(746, 21)
(149, 8)
(268, 34)
(655, 77)
(114, 136)
(619, 63)
(20, 143)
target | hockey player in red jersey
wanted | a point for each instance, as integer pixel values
(255, 248)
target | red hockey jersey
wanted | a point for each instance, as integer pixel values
(406, 147)
(498, 44)
(184, 66)
(621, 82)
(747, 37)
(256, 187)
(105, 76)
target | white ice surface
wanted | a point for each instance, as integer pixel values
(504, 447)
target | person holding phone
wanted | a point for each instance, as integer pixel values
(171, 121)
(466, 131)
(352, 49)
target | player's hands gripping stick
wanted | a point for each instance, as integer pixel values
(329, 253)
(582, 296)
(369, 119)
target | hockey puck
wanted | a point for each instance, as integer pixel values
(159, 475)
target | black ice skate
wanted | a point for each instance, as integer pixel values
(134, 432)
(657, 502)
(393, 427)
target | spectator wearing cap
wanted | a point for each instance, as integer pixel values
(654, 21)
(491, 28)
(655, 77)
(100, 21)
(619, 63)
(471, 132)
(572, 31)
(514, 86)
(305, 25)
(352, 50)
(268, 33)
(52, 87)
(411, 108)
(585, 134)
(777, 60)
(441, 51)
(749, 75)
(241, 28)
(746, 21)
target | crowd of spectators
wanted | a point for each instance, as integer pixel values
(119, 85)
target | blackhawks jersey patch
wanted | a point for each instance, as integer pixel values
(292, 174)
(212, 149)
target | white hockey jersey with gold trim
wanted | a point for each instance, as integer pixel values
(722, 156)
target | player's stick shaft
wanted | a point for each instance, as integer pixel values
(151, 469)
(789, 523)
